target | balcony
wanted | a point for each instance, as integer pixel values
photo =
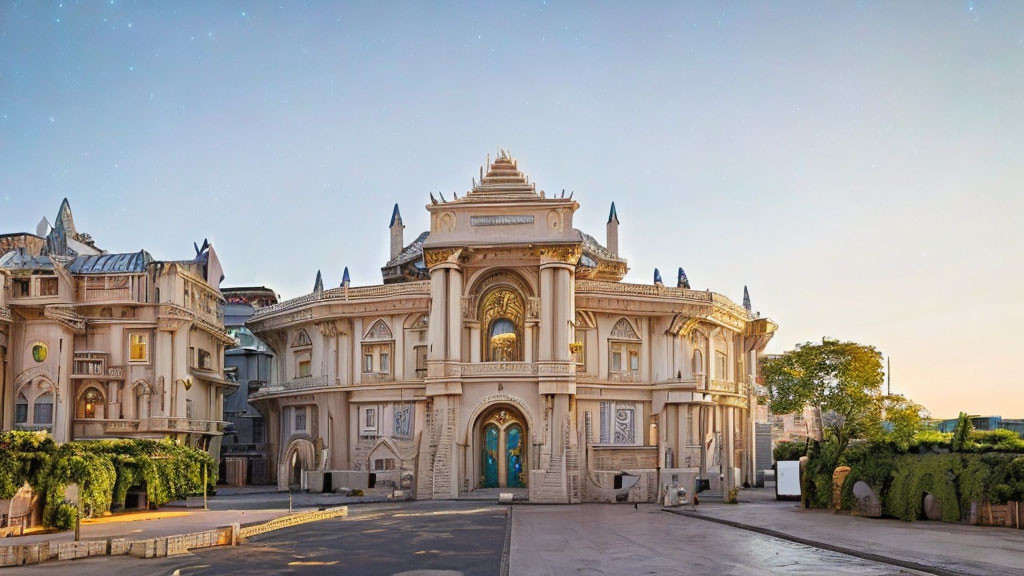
(728, 387)
(304, 383)
(499, 369)
(106, 294)
(181, 425)
(99, 427)
(120, 426)
(376, 378)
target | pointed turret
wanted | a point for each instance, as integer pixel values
(746, 299)
(612, 231)
(397, 235)
(682, 281)
(657, 278)
(318, 286)
(345, 280)
(64, 220)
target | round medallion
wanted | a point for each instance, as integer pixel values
(39, 352)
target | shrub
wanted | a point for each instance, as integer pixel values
(103, 470)
(789, 451)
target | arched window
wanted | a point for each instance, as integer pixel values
(90, 403)
(501, 317)
(698, 363)
(42, 411)
(21, 409)
(503, 340)
(623, 352)
(378, 351)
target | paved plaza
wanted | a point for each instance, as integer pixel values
(617, 539)
(470, 537)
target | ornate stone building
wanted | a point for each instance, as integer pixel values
(98, 345)
(504, 351)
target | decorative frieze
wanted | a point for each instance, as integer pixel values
(438, 256)
(511, 219)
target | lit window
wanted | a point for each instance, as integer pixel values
(88, 403)
(305, 368)
(579, 348)
(138, 347)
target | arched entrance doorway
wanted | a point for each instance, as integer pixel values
(502, 440)
(300, 455)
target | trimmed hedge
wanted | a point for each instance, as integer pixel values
(988, 468)
(104, 471)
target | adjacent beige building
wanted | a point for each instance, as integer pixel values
(504, 351)
(98, 345)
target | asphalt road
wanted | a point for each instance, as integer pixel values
(466, 538)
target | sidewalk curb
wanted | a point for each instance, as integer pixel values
(160, 546)
(503, 570)
(822, 545)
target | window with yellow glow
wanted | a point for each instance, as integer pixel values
(138, 347)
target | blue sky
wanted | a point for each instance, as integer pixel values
(858, 165)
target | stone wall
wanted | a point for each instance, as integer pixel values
(18, 555)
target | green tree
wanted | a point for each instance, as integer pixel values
(962, 433)
(903, 418)
(843, 380)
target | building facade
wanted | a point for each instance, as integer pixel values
(504, 351)
(249, 362)
(98, 345)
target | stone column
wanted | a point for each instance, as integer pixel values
(561, 318)
(455, 314)
(529, 328)
(546, 313)
(474, 342)
(729, 449)
(438, 314)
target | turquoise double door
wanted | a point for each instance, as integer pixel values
(503, 457)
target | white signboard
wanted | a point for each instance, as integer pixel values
(787, 479)
(499, 220)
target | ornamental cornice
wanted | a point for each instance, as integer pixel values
(564, 253)
(437, 256)
(67, 316)
(302, 306)
(172, 317)
(5, 315)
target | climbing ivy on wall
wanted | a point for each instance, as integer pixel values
(104, 471)
(988, 468)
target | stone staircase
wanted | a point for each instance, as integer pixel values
(441, 466)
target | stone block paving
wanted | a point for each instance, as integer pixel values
(943, 547)
(618, 539)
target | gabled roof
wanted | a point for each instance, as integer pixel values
(132, 262)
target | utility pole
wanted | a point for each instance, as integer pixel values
(206, 505)
(888, 375)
